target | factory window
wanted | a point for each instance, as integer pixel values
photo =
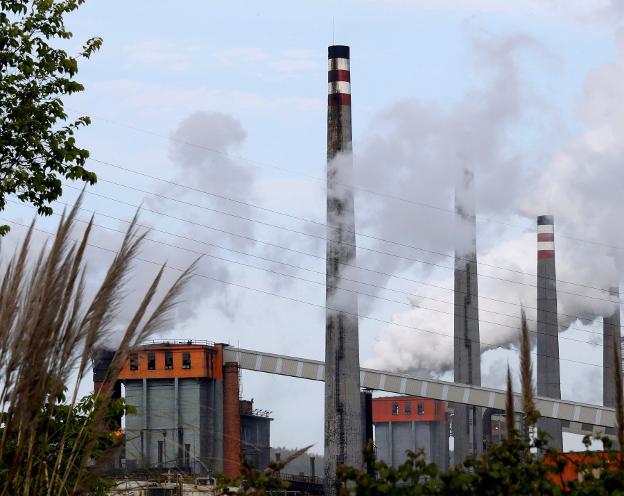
(421, 408)
(187, 455)
(161, 446)
(168, 359)
(151, 360)
(395, 408)
(408, 408)
(186, 360)
(134, 361)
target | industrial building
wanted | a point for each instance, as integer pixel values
(411, 423)
(188, 413)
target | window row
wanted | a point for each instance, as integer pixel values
(420, 408)
(151, 360)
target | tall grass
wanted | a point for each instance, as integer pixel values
(48, 332)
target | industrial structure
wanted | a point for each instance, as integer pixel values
(188, 413)
(405, 423)
(344, 435)
(467, 420)
(610, 335)
(548, 376)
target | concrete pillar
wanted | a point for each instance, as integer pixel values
(467, 424)
(231, 421)
(343, 411)
(548, 376)
(146, 439)
(610, 329)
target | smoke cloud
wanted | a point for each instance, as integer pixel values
(490, 131)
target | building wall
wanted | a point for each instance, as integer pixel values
(256, 440)
(408, 423)
(394, 439)
(174, 425)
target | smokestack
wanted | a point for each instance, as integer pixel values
(610, 329)
(548, 377)
(343, 412)
(467, 420)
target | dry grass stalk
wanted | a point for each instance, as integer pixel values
(619, 400)
(47, 336)
(509, 408)
(526, 374)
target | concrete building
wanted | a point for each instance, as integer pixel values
(405, 423)
(467, 420)
(548, 376)
(188, 411)
(344, 436)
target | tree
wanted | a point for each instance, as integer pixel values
(37, 143)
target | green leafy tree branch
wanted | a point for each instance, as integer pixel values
(37, 140)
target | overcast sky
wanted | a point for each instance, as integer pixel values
(228, 99)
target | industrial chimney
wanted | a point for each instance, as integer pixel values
(467, 420)
(548, 377)
(610, 329)
(343, 411)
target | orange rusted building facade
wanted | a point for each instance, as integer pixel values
(188, 410)
(411, 423)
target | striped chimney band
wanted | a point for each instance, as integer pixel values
(545, 236)
(338, 75)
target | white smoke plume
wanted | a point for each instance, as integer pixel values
(579, 184)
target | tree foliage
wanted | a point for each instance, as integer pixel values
(58, 428)
(37, 143)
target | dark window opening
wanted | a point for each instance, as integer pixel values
(187, 455)
(134, 361)
(421, 408)
(168, 359)
(436, 406)
(161, 446)
(151, 360)
(395, 408)
(408, 408)
(186, 360)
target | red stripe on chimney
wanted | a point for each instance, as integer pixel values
(545, 254)
(339, 99)
(545, 237)
(338, 75)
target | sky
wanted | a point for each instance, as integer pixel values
(212, 117)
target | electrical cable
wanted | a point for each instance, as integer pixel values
(298, 300)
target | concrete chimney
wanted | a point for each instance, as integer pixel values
(343, 411)
(548, 377)
(610, 329)
(467, 420)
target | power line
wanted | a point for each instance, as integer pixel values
(407, 279)
(322, 224)
(262, 164)
(312, 271)
(373, 250)
(297, 300)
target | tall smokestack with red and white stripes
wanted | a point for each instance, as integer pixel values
(548, 376)
(343, 412)
(610, 330)
(467, 420)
